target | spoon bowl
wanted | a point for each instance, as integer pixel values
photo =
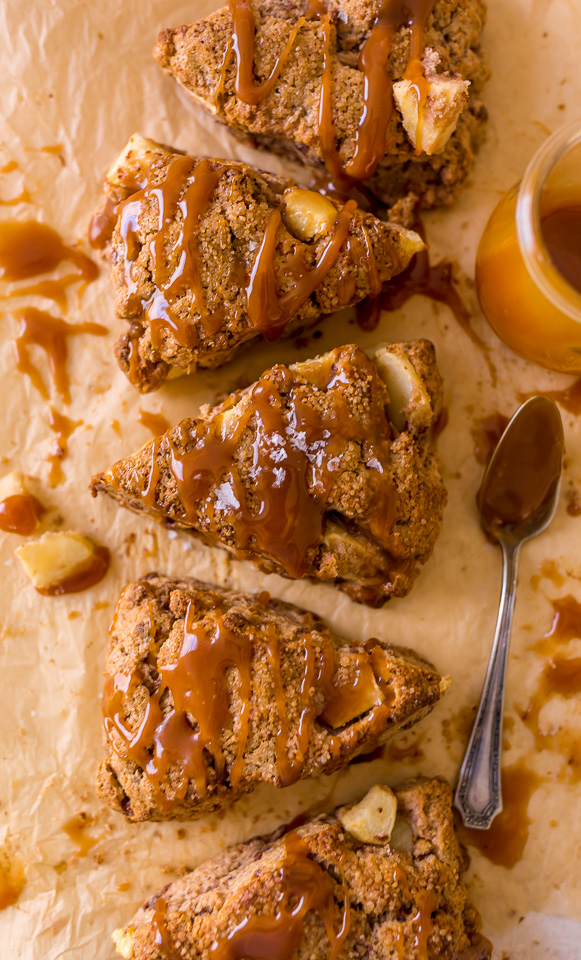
(517, 500)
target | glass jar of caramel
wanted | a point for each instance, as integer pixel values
(528, 266)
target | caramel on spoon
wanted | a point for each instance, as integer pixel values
(517, 500)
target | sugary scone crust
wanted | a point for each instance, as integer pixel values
(368, 569)
(206, 905)
(287, 120)
(147, 627)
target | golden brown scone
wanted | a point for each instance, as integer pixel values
(321, 469)
(319, 892)
(206, 255)
(431, 158)
(269, 693)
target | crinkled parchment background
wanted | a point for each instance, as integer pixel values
(81, 74)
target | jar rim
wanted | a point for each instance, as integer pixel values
(555, 287)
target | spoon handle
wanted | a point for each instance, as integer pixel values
(478, 794)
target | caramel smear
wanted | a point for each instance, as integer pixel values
(505, 841)
(435, 281)
(306, 887)
(12, 879)
(569, 398)
(29, 248)
(63, 427)
(486, 432)
(41, 329)
(156, 422)
(76, 829)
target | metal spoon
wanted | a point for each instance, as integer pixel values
(517, 500)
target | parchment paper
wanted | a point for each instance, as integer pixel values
(81, 74)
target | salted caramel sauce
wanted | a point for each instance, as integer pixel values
(294, 443)
(527, 471)
(161, 934)
(9, 167)
(199, 685)
(371, 136)
(41, 329)
(63, 427)
(268, 312)
(20, 513)
(84, 577)
(76, 829)
(306, 887)
(433, 280)
(12, 880)
(505, 840)
(561, 230)
(569, 398)
(486, 432)
(243, 42)
(29, 248)
(22, 197)
(561, 676)
(187, 186)
(156, 422)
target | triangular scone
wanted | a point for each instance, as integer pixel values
(323, 891)
(321, 469)
(209, 693)
(206, 255)
(300, 87)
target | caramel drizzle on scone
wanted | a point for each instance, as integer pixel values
(306, 887)
(371, 134)
(269, 313)
(281, 508)
(170, 750)
(186, 186)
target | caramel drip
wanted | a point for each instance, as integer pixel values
(186, 187)
(28, 249)
(268, 312)
(22, 197)
(243, 43)
(505, 840)
(9, 167)
(295, 452)
(435, 281)
(156, 422)
(306, 887)
(20, 513)
(102, 225)
(12, 880)
(569, 398)
(415, 931)
(486, 432)
(566, 625)
(76, 829)
(560, 676)
(41, 329)
(162, 937)
(148, 493)
(198, 683)
(84, 578)
(63, 427)
(371, 136)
